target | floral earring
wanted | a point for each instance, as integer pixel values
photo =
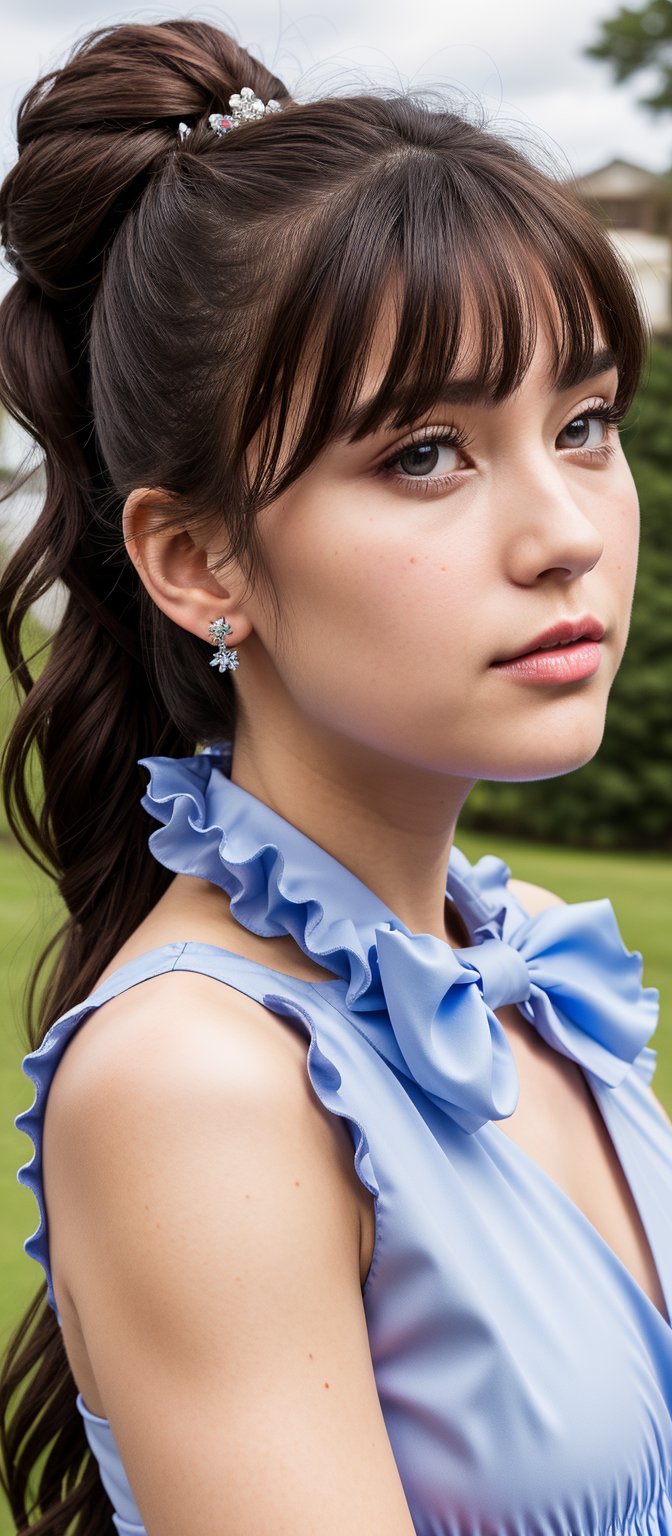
(225, 659)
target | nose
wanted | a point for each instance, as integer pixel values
(548, 524)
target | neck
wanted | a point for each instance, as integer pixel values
(392, 824)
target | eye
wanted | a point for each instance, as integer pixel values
(579, 429)
(421, 455)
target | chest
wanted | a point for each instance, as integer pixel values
(559, 1125)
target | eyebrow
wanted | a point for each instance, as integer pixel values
(470, 391)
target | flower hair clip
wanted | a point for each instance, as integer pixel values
(245, 107)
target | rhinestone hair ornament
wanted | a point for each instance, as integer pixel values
(245, 107)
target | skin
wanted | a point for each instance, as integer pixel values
(367, 719)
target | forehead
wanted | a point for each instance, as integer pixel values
(466, 363)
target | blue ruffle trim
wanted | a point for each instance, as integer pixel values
(39, 1066)
(326, 1081)
(269, 869)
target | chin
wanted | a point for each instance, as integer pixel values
(552, 767)
(549, 757)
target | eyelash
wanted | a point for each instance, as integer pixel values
(455, 438)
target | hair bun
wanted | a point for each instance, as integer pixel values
(92, 133)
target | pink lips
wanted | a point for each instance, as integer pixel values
(565, 630)
(564, 653)
(567, 664)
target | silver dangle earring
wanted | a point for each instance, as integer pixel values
(225, 659)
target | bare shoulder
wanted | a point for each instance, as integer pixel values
(175, 1058)
(166, 1039)
(216, 1238)
(534, 898)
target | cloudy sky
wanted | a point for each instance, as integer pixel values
(522, 58)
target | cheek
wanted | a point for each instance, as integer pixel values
(372, 610)
(620, 520)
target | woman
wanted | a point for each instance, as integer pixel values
(334, 388)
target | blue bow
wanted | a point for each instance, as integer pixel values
(566, 968)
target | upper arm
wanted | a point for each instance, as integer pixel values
(533, 897)
(216, 1239)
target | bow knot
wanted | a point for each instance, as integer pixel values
(567, 970)
(501, 972)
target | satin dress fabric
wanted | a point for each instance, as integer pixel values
(524, 1376)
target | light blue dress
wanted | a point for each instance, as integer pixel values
(524, 1376)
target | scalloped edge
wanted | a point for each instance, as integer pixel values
(30, 1122)
(161, 801)
(312, 915)
(316, 1058)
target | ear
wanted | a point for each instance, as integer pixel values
(176, 572)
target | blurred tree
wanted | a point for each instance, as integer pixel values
(639, 39)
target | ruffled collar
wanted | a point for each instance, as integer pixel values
(426, 1007)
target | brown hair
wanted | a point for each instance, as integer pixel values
(168, 295)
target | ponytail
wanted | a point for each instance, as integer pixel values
(90, 715)
(93, 711)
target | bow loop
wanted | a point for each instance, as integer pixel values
(454, 1047)
(587, 998)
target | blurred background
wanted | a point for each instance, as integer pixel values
(587, 88)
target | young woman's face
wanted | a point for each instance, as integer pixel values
(404, 570)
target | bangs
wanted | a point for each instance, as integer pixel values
(442, 249)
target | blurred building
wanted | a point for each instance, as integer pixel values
(636, 206)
